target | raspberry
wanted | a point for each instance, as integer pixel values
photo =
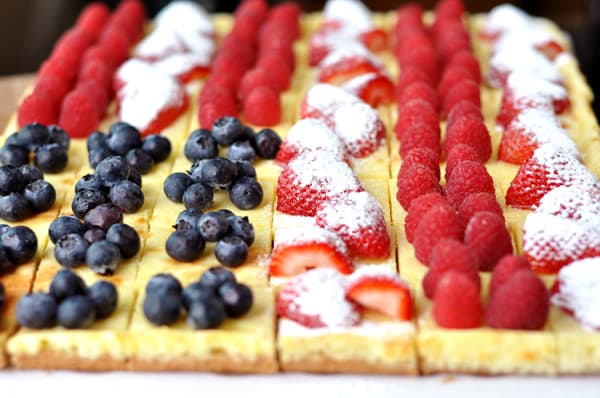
(93, 18)
(466, 60)
(452, 76)
(413, 111)
(472, 132)
(463, 110)
(420, 135)
(458, 154)
(79, 115)
(96, 71)
(423, 156)
(487, 237)
(449, 254)
(477, 202)
(410, 75)
(522, 303)
(37, 108)
(97, 93)
(417, 210)
(239, 52)
(416, 181)
(288, 14)
(279, 49)
(117, 43)
(456, 302)
(73, 41)
(64, 68)
(449, 9)
(254, 78)
(98, 53)
(451, 43)
(51, 88)
(215, 102)
(419, 90)
(280, 72)
(424, 58)
(467, 178)
(467, 90)
(262, 106)
(505, 269)
(415, 39)
(247, 28)
(439, 222)
(410, 14)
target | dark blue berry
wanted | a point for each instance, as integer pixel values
(226, 212)
(193, 292)
(36, 311)
(65, 225)
(266, 143)
(231, 251)
(11, 180)
(13, 139)
(59, 136)
(96, 140)
(94, 235)
(86, 200)
(246, 193)
(164, 284)
(51, 158)
(126, 238)
(70, 250)
(103, 216)
(122, 137)
(12, 155)
(242, 228)
(6, 265)
(76, 312)
(40, 195)
(219, 173)
(175, 185)
(95, 156)
(208, 313)
(189, 217)
(227, 130)
(112, 170)
(237, 299)
(103, 257)
(248, 133)
(214, 277)
(162, 309)
(14, 207)
(89, 181)
(30, 174)
(127, 195)
(241, 150)
(185, 245)
(198, 196)
(20, 243)
(66, 283)
(245, 169)
(200, 145)
(105, 297)
(196, 170)
(213, 226)
(135, 177)
(157, 146)
(33, 136)
(139, 160)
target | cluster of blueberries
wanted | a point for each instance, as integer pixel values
(70, 303)
(23, 191)
(49, 144)
(101, 241)
(17, 246)
(208, 302)
(233, 236)
(125, 140)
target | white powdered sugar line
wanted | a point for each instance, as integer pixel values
(348, 12)
(357, 124)
(312, 135)
(524, 59)
(297, 236)
(525, 85)
(327, 98)
(562, 169)
(350, 50)
(323, 172)
(351, 213)
(180, 63)
(185, 13)
(506, 17)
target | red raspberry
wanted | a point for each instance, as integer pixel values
(476, 202)
(410, 75)
(419, 90)
(467, 60)
(451, 43)
(247, 28)
(283, 51)
(63, 68)
(417, 210)
(98, 94)
(98, 53)
(463, 110)
(124, 20)
(521, 303)
(487, 237)
(471, 132)
(254, 78)
(452, 76)
(423, 156)
(439, 222)
(79, 114)
(93, 18)
(214, 103)
(453, 9)
(413, 111)
(449, 254)
(465, 90)
(420, 135)
(288, 14)
(37, 108)
(262, 106)
(117, 43)
(232, 49)
(281, 74)
(505, 269)
(458, 154)
(73, 41)
(52, 88)
(416, 181)
(409, 14)
(96, 71)
(424, 58)
(456, 302)
(467, 178)
(413, 39)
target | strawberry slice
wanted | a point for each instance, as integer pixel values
(375, 39)
(374, 89)
(345, 63)
(550, 49)
(309, 135)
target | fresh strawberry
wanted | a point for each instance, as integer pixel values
(456, 302)
(419, 90)
(488, 238)
(418, 208)
(381, 290)
(476, 202)
(469, 131)
(416, 181)
(505, 269)
(374, 39)
(465, 90)
(359, 128)
(79, 114)
(36, 108)
(551, 49)
(317, 298)
(467, 178)
(309, 135)
(338, 70)
(262, 106)
(459, 153)
(521, 303)
(358, 219)
(516, 146)
(374, 89)
(439, 222)
(423, 156)
(93, 18)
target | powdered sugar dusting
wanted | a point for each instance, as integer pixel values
(327, 98)
(296, 236)
(357, 125)
(354, 85)
(561, 168)
(178, 64)
(350, 50)
(533, 88)
(312, 134)
(351, 213)
(158, 44)
(577, 203)
(506, 17)
(348, 12)
(382, 271)
(179, 14)
(523, 59)
(543, 127)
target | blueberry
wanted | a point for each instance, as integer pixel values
(241, 150)
(226, 212)
(185, 245)
(245, 169)
(128, 196)
(231, 251)
(214, 277)
(105, 297)
(237, 298)
(242, 228)
(164, 284)
(112, 170)
(162, 309)
(139, 160)
(93, 235)
(157, 146)
(14, 207)
(208, 313)
(126, 238)
(103, 216)
(95, 156)
(103, 257)
(6, 265)
(246, 193)
(266, 143)
(96, 140)
(213, 226)
(227, 130)
(193, 292)
(86, 200)
(135, 177)
(33, 136)
(2, 296)
(196, 170)
(13, 139)
(219, 173)
(189, 217)
(65, 225)
(66, 283)
(175, 185)
(59, 136)
(248, 133)
(20, 243)
(76, 312)
(11, 180)
(40, 195)
(30, 174)
(51, 158)
(36, 311)
(122, 137)
(88, 181)
(12, 155)
(70, 250)
(198, 196)
(200, 145)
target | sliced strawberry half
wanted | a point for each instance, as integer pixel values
(374, 89)
(339, 67)
(375, 39)
(309, 135)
